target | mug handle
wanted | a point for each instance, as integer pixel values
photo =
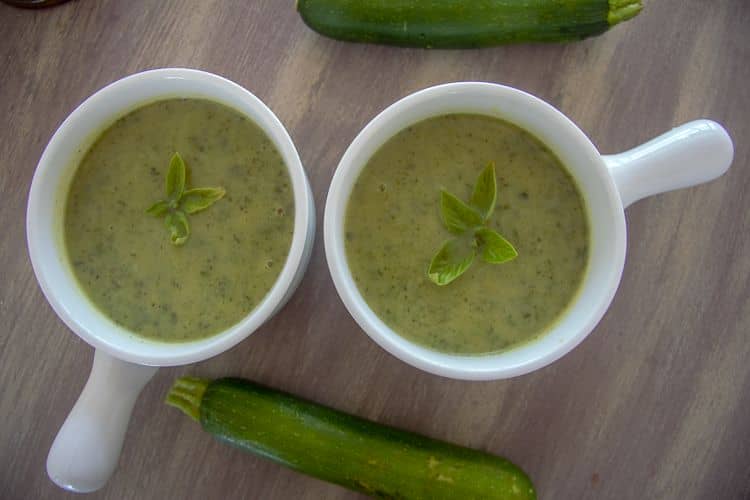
(87, 447)
(691, 154)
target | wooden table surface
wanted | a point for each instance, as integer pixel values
(654, 404)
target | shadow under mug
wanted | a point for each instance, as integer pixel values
(694, 153)
(86, 449)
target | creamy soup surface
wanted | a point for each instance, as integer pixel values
(393, 228)
(123, 257)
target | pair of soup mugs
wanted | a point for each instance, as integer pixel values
(87, 447)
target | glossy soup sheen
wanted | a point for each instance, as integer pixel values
(393, 228)
(123, 257)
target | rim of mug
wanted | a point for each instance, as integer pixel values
(520, 359)
(54, 275)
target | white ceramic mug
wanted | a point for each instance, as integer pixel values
(696, 152)
(86, 449)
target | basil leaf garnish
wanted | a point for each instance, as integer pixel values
(469, 222)
(159, 208)
(451, 261)
(179, 229)
(197, 199)
(176, 177)
(457, 215)
(493, 247)
(485, 192)
(180, 202)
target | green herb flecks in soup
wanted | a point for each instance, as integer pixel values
(124, 259)
(394, 225)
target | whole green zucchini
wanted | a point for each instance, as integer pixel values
(463, 23)
(371, 458)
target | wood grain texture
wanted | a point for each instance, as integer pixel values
(654, 404)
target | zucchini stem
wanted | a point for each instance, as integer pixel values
(622, 10)
(186, 394)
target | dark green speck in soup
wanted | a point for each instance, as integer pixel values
(393, 228)
(123, 257)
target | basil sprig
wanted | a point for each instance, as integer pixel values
(469, 223)
(181, 202)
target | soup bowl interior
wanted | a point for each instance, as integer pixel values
(576, 152)
(55, 172)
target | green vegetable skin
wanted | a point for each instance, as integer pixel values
(463, 23)
(343, 449)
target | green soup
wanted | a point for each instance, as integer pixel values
(393, 228)
(123, 257)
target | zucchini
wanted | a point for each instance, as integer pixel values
(355, 453)
(463, 23)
